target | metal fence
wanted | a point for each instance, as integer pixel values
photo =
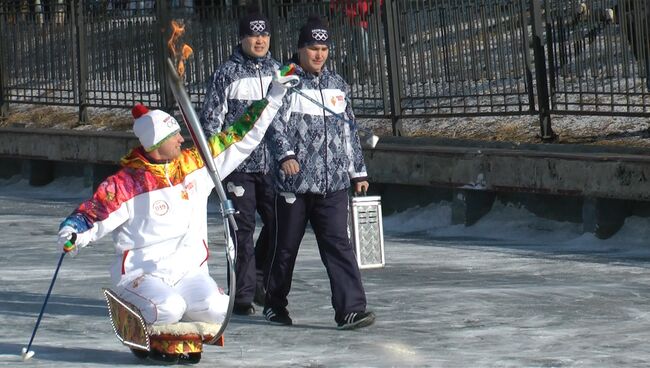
(598, 56)
(463, 57)
(402, 58)
(38, 53)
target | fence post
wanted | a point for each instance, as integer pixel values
(543, 101)
(4, 105)
(267, 8)
(82, 61)
(164, 18)
(530, 87)
(380, 44)
(550, 53)
(392, 50)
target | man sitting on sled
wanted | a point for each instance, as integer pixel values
(155, 206)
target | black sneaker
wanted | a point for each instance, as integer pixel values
(278, 316)
(243, 309)
(356, 320)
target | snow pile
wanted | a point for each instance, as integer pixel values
(64, 188)
(508, 224)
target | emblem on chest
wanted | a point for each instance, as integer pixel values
(160, 207)
(337, 100)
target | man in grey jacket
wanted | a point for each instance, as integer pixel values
(317, 158)
(244, 78)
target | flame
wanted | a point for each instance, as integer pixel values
(179, 54)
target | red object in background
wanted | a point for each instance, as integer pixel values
(357, 11)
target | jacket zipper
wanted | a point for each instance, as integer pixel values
(167, 175)
(259, 75)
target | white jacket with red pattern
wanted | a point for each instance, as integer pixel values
(157, 212)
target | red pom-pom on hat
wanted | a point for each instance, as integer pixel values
(139, 110)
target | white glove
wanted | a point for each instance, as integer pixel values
(280, 85)
(66, 235)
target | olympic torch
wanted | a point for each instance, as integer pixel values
(191, 120)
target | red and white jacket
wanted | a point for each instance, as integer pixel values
(157, 212)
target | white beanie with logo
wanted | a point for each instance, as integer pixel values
(153, 127)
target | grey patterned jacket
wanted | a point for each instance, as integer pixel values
(327, 149)
(231, 89)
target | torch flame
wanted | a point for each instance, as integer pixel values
(179, 54)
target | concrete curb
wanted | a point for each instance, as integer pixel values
(603, 181)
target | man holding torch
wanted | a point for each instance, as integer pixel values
(156, 209)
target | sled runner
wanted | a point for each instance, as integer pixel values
(170, 343)
(128, 324)
(367, 231)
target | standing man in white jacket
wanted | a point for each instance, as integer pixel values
(239, 81)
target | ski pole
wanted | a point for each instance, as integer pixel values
(370, 138)
(26, 353)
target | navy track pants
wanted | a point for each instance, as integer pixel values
(250, 193)
(328, 216)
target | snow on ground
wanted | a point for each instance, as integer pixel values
(513, 290)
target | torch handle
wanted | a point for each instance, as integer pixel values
(192, 121)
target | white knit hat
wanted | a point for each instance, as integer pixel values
(153, 127)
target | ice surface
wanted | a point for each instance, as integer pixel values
(511, 291)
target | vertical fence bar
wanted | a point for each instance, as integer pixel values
(392, 48)
(161, 53)
(269, 10)
(383, 81)
(549, 45)
(82, 61)
(4, 105)
(543, 101)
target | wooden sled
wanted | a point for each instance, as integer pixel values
(182, 339)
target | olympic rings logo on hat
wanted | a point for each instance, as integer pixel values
(169, 121)
(258, 26)
(319, 34)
